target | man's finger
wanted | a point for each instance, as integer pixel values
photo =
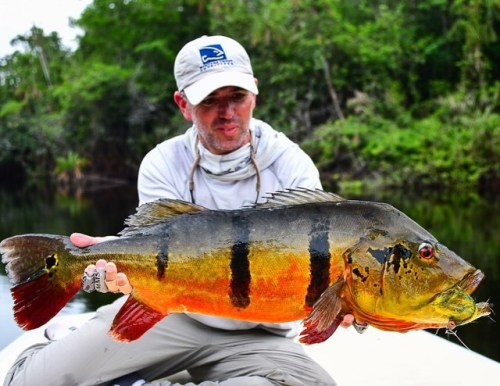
(111, 271)
(81, 240)
(88, 284)
(100, 280)
(111, 277)
(123, 284)
(347, 321)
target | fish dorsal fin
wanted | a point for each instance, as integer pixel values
(298, 196)
(157, 212)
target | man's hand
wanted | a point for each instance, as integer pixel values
(103, 276)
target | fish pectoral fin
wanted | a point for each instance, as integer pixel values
(133, 320)
(325, 316)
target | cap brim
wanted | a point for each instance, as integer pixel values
(198, 91)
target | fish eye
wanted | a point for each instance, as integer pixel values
(426, 251)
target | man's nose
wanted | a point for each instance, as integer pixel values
(225, 109)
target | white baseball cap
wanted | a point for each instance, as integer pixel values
(210, 62)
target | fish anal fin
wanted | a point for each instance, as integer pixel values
(133, 320)
(325, 316)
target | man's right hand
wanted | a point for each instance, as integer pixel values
(103, 276)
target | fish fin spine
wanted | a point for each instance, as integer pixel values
(298, 196)
(157, 212)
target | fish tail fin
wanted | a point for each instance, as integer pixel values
(41, 285)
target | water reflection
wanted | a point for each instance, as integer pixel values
(99, 212)
(466, 223)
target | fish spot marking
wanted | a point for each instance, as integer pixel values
(380, 255)
(51, 261)
(359, 274)
(51, 264)
(398, 256)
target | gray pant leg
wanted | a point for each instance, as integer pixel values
(239, 381)
(248, 357)
(89, 356)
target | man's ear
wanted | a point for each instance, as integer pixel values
(182, 102)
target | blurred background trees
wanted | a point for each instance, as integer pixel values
(392, 92)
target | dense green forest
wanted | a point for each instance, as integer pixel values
(398, 93)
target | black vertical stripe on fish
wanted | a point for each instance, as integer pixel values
(319, 261)
(239, 291)
(162, 257)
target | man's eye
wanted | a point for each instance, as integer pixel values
(207, 102)
(239, 97)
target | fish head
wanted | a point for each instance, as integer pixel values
(399, 277)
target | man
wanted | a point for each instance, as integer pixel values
(227, 159)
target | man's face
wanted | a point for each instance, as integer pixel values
(222, 119)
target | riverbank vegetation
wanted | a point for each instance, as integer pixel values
(396, 93)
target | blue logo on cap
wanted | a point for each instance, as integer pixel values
(213, 56)
(212, 53)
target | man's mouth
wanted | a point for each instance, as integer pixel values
(228, 130)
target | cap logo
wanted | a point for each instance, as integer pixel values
(213, 56)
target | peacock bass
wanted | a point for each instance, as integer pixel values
(302, 255)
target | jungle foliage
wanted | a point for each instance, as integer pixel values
(399, 92)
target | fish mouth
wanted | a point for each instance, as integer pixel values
(470, 281)
(468, 284)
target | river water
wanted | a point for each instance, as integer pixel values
(465, 222)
